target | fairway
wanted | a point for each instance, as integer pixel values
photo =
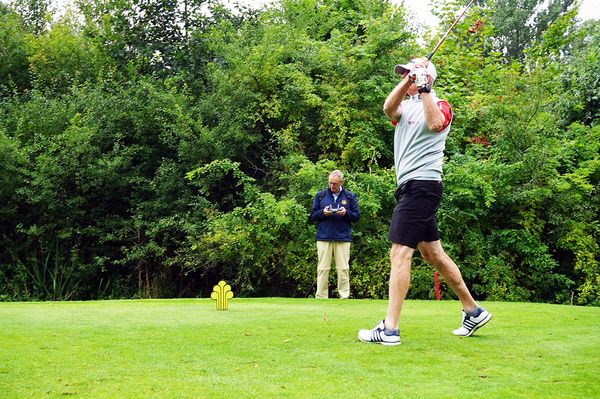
(293, 348)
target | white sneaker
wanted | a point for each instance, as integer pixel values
(378, 335)
(470, 324)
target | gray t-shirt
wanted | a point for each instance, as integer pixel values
(418, 150)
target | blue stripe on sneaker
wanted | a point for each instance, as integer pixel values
(376, 336)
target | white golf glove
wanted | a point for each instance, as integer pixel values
(421, 78)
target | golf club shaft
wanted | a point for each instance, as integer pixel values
(439, 43)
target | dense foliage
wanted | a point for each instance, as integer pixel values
(152, 148)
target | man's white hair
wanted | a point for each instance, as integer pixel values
(338, 173)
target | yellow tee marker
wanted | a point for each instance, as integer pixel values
(221, 294)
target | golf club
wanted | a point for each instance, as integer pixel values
(402, 69)
(439, 43)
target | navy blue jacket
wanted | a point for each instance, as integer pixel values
(334, 227)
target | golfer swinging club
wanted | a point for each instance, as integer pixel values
(422, 125)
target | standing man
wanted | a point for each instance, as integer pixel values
(422, 125)
(334, 209)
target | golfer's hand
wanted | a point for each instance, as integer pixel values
(326, 211)
(342, 211)
(421, 77)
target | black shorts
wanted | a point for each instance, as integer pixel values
(413, 220)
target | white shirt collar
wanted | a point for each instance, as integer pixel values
(335, 196)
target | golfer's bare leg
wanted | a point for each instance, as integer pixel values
(434, 254)
(400, 261)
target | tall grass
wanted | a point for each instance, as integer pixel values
(52, 276)
(293, 348)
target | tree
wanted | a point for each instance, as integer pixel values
(579, 78)
(149, 34)
(14, 50)
(519, 23)
(62, 57)
(122, 177)
(34, 13)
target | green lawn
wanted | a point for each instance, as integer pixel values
(293, 348)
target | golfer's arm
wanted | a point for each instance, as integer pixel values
(391, 106)
(433, 115)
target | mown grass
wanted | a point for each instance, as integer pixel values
(293, 348)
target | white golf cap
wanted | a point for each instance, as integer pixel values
(401, 69)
